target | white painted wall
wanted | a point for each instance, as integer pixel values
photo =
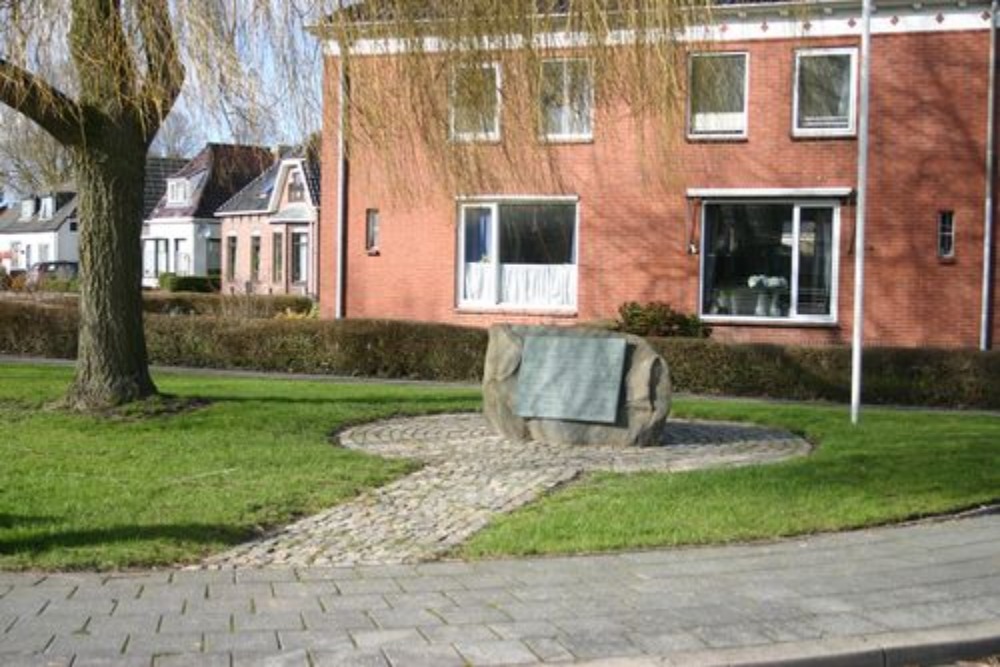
(187, 250)
(61, 246)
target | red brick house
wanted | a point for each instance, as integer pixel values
(751, 220)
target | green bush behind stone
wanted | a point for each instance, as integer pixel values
(396, 349)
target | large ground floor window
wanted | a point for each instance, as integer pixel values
(771, 260)
(155, 257)
(519, 254)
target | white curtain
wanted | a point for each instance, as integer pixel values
(522, 285)
(539, 285)
(478, 282)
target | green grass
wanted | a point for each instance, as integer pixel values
(87, 492)
(896, 465)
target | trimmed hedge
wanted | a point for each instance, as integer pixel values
(201, 284)
(393, 349)
(253, 306)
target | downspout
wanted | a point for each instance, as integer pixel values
(341, 192)
(985, 342)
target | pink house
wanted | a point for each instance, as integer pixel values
(270, 232)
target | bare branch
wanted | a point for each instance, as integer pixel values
(165, 73)
(49, 107)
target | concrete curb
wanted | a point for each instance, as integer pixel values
(894, 649)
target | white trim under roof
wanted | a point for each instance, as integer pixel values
(768, 193)
(738, 22)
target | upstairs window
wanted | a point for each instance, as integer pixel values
(48, 209)
(475, 103)
(27, 209)
(946, 235)
(825, 92)
(177, 191)
(567, 100)
(719, 90)
(296, 188)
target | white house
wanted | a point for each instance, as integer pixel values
(181, 234)
(41, 228)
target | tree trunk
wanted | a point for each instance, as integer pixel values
(112, 364)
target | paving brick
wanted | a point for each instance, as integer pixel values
(448, 634)
(193, 660)
(381, 638)
(269, 620)
(297, 658)
(423, 656)
(315, 640)
(257, 641)
(498, 652)
(162, 643)
(348, 658)
(194, 622)
(404, 618)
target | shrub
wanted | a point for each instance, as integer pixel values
(19, 282)
(166, 280)
(59, 285)
(659, 319)
(394, 349)
(199, 284)
(257, 306)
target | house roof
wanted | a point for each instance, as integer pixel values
(11, 222)
(157, 170)
(256, 196)
(214, 175)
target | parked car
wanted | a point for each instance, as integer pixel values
(44, 271)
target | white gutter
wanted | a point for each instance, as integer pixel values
(341, 193)
(860, 215)
(985, 342)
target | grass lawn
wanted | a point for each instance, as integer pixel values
(896, 465)
(83, 492)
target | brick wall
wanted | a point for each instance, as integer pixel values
(928, 111)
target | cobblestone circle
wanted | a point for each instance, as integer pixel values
(471, 475)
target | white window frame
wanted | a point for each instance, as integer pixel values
(851, 129)
(47, 210)
(493, 203)
(373, 223)
(177, 191)
(793, 318)
(718, 136)
(470, 137)
(568, 137)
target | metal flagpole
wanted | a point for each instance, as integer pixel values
(861, 210)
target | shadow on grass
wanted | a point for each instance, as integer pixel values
(200, 533)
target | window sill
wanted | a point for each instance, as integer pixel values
(824, 134)
(373, 252)
(568, 313)
(488, 139)
(718, 138)
(782, 322)
(946, 260)
(566, 140)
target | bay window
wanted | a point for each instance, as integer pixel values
(825, 97)
(717, 107)
(770, 260)
(519, 254)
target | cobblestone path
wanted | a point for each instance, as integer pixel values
(471, 475)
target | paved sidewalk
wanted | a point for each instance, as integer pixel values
(887, 596)
(472, 475)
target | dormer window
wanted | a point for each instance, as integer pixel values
(27, 209)
(296, 188)
(48, 209)
(177, 191)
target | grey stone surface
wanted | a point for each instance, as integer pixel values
(821, 598)
(642, 400)
(472, 474)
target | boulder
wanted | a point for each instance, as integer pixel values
(643, 395)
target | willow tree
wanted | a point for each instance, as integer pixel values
(122, 66)
(402, 63)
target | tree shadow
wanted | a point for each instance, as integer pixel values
(192, 532)
(357, 400)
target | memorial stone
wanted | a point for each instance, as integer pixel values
(574, 386)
